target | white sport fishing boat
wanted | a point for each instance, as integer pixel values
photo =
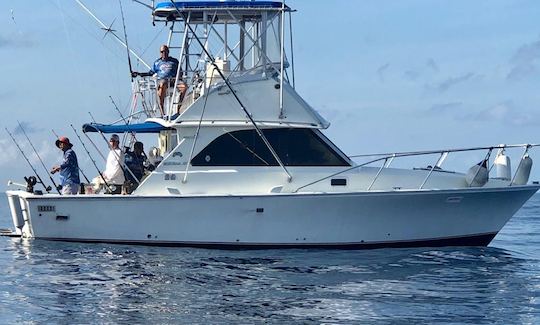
(246, 165)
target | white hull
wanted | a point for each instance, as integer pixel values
(356, 220)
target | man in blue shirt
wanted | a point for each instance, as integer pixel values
(69, 169)
(165, 69)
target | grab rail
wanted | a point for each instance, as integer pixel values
(389, 158)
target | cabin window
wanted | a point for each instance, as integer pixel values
(295, 147)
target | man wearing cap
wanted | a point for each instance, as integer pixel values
(69, 169)
(114, 173)
(165, 68)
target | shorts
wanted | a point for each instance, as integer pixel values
(168, 82)
(70, 189)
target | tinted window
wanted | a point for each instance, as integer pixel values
(295, 147)
(239, 148)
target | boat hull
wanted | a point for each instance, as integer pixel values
(464, 217)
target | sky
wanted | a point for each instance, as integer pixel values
(388, 75)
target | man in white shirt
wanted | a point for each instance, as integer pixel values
(114, 173)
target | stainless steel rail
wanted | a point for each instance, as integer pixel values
(388, 158)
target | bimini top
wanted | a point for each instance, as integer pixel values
(146, 127)
(174, 10)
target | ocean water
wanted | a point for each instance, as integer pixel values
(70, 283)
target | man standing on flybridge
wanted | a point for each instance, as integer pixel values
(165, 69)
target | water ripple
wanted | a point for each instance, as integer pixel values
(53, 282)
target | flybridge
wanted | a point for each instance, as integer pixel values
(219, 43)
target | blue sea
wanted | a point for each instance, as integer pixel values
(70, 283)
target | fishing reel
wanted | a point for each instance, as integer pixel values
(31, 181)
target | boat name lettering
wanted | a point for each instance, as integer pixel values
(46, 208)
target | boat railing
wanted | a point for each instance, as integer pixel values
(208, 55)
(388, 158)
(145, 88)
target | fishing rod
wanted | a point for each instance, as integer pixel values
(92, 142)
(92, 159)
(132, 134)
(126, 39)
(47, 188)
(118, 110)
(40, 160)
(86, 178)
(124, 120)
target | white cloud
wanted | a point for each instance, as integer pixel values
(13, 41)
(432, 65)
(9, 152)
(445, 108)
(426, 70)
(26, 127)
(411, 75)
(506, 113)
(381, 70)
(450, 82)
(525, 62)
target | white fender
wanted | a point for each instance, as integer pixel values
(503, 169)
(478, 175)
(524, 171)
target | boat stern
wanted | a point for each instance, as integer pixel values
(18, 207)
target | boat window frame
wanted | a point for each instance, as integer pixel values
(339, 159)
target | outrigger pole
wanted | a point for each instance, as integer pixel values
(47, 188)
(108, 29)
(86, 178)
(37, 155)
(92, 159)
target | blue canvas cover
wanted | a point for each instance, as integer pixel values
(146, 127)
(171, 8)
(219, 4)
